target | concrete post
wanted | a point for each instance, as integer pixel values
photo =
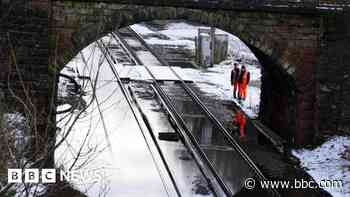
(212, 45)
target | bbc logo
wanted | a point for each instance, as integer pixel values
(49, 175)
(31, 176)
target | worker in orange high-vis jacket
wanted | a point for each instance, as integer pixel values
(243, 81)
(240, 119)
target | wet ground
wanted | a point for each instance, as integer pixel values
(187, 174)
(118, 146)
(273, 165)
(112, 142)
(223, 157)
(110, 139)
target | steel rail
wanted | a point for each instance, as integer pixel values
(126, 48)
(104, 50)
(179, 121)
(150, 130)
(178, 127)
(214, 120)
(129, 50)
(180, 124)
(188, 139)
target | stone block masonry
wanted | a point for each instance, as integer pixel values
(298, 48)
(333, 74)
(24, 61)
(289, 44)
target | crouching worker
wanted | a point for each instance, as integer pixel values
(240, 120)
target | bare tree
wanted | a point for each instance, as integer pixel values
(19, 134)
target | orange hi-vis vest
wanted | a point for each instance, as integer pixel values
(240, 119)
(245, 78)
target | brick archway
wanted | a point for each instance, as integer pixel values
(286, 44)
(305, 42)
(276, 35)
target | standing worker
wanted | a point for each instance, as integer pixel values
(240, 119)
(243, 81)
(234, 79)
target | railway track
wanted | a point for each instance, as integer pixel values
(187, 134)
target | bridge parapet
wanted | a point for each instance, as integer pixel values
(278, 5)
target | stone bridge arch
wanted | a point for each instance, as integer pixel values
(286, 45)
(76, 25)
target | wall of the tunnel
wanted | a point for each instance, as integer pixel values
(289, 40)
(77, 24)
(277, 100)
(288, 99)
(322, 99)
(24, 59)
(276, 108)
(333, 92)
(278, 34)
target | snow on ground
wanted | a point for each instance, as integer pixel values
(213, 81)
(142, 28)
(181, 30)
(15, 120)
(176, 43)
(216, 81)
(183, 34)
(322, 163)
(17, 132)
(33, 190)
(16, 124)
(109, 130)
(326, 163)
(146, 56)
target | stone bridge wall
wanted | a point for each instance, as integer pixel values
(334, 2)
(24, 60)
(286, 43)
(333, 74)
(228, 4)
